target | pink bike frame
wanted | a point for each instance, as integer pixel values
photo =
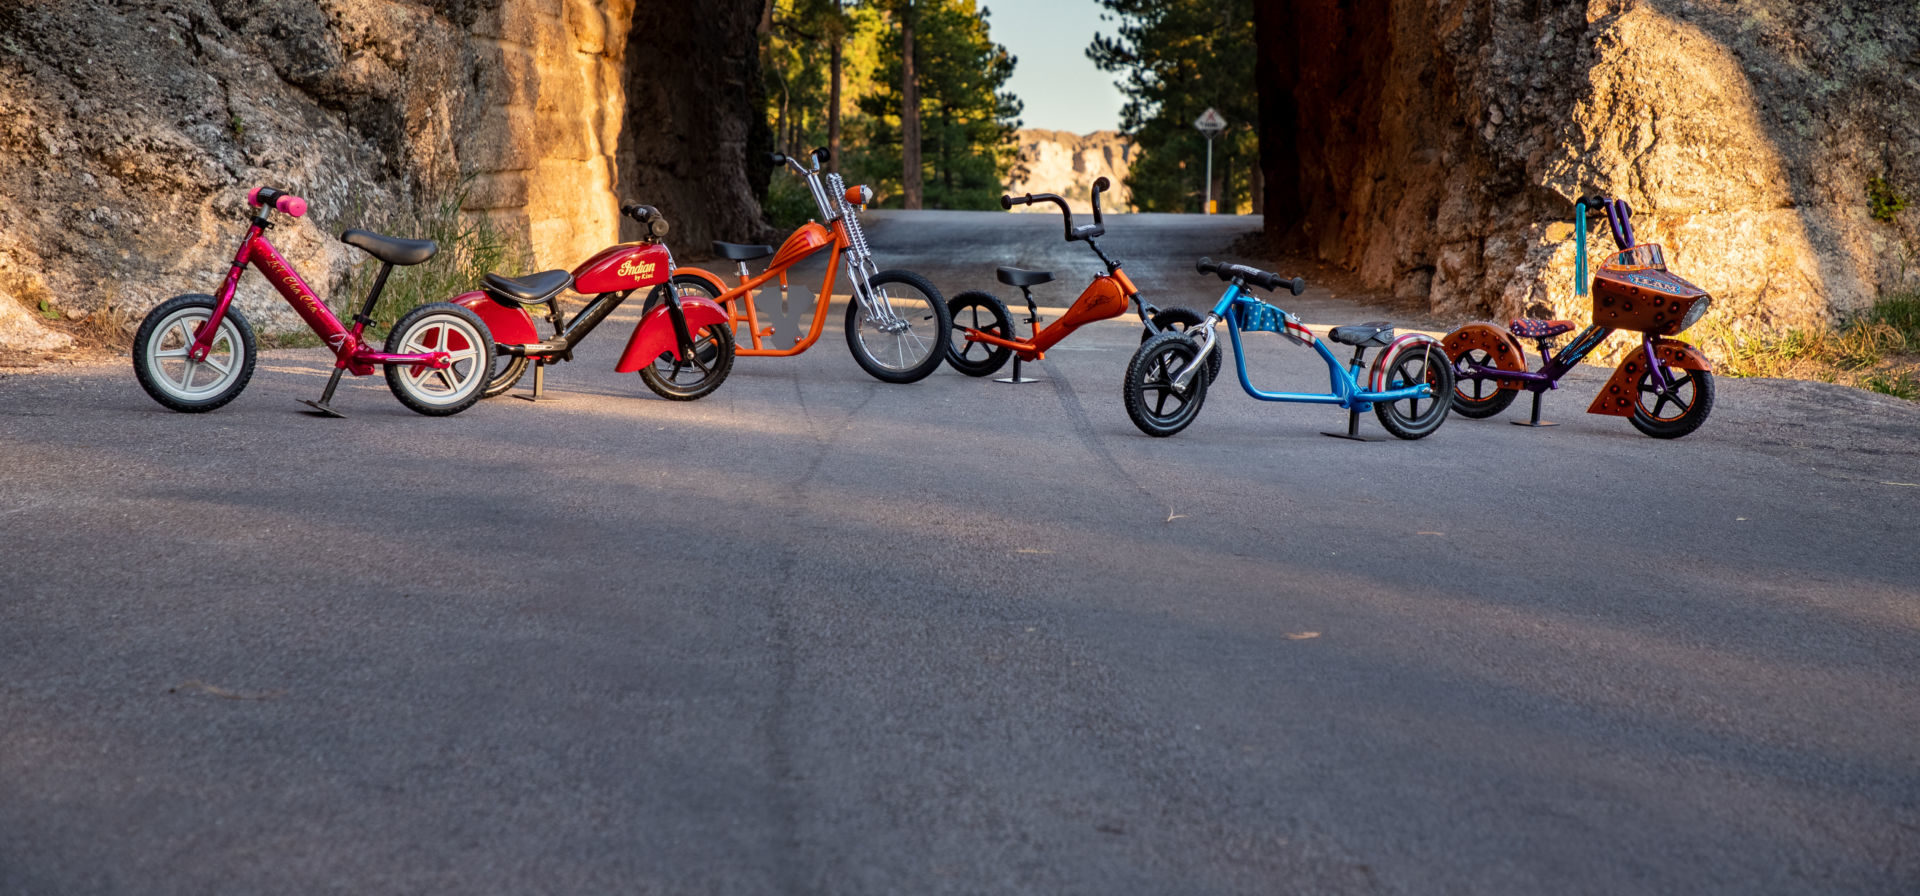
(348, 348)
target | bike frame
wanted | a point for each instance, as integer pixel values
(1343, 385)
(350, 351)
(841, 232)
(1105, 298)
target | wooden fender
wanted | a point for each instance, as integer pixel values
(1492, 339)
(1622, 391)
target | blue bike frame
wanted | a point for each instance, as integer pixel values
(1343, 388)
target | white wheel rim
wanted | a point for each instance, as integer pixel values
(465, 363)
(180, 376)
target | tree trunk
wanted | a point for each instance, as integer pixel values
(909, 112)
(833, 89)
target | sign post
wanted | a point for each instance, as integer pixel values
(1211, 124)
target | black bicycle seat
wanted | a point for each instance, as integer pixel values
(1377, 332)
(740, 251)
(391, 250)
(533, 289)
(1017, 277)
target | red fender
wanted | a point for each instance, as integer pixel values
(1500, 345)
(1622, 392)
(509, 326)
(655, 337)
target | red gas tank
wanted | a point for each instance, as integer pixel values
(622, 267)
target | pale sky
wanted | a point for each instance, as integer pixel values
(1054, 77)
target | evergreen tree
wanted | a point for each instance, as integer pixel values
(967, 121)
(1176, 59)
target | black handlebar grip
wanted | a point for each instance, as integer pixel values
(1206, 265)
(822, 155)
(1593, 201)
(1010, 202)
(776, 158)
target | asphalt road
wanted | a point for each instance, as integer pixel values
(820, 634)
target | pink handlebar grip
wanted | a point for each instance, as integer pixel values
(292, 205)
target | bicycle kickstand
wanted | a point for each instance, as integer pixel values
(323, 408)
(539, 382)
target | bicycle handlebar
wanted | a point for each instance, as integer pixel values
(1619, 216)
(1251, 276)
(279, 199)
(647, 216)
(1084, 231)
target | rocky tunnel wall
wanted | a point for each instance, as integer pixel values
(130, 132)
(1435, 146)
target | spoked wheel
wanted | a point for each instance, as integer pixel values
(440, 327)
(982, 311)
(509, 376)
(1414, 418)
(912, 340)
(1476, 396)
(1151, 400)
(1679, 410)
(703, 371)
(1181, 320)
(161, 364)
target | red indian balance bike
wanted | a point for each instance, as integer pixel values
(983, 333)
(682, 346)
(1664, 387)
(196, 352)
(896, 321)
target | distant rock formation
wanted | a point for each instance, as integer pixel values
(1066, 163)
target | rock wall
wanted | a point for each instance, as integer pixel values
(1066, 163)
(1435, 146)
(131, 132)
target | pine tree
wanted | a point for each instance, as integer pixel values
(1177, 58)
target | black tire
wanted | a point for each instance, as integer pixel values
(1479, 397)
(695, 378)
(912, 346)
(441, 327)
(161, 366)
(1181, 320)
(1150, 399)
(1416, 418)
(977, 310)
(508, 376)
(1677, 413)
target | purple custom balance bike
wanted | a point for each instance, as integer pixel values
(1665, 387)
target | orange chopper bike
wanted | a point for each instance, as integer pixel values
(897, 322)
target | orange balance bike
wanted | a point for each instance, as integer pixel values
(983, 330)
(896, 321)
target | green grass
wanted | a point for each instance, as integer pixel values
(1877, 349)
(471, 245)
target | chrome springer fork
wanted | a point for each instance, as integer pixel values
(859, 256)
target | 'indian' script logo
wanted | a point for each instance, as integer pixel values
(636, 269)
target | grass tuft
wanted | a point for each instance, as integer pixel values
(471, 245)
(1877, 350)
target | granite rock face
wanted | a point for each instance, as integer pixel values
(131, 132)
(1067, 164)
(1435, 146)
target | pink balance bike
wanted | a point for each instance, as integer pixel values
(682, 347)
(196, 352)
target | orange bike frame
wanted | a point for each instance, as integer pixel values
(1106, 297)
(738, 301)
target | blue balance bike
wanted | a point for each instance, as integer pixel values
(1409, 389)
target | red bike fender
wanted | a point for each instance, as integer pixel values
(1378, 378)
(509, 326)
(655, 337)
(1618, 397)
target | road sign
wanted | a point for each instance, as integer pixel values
(1210, 122)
